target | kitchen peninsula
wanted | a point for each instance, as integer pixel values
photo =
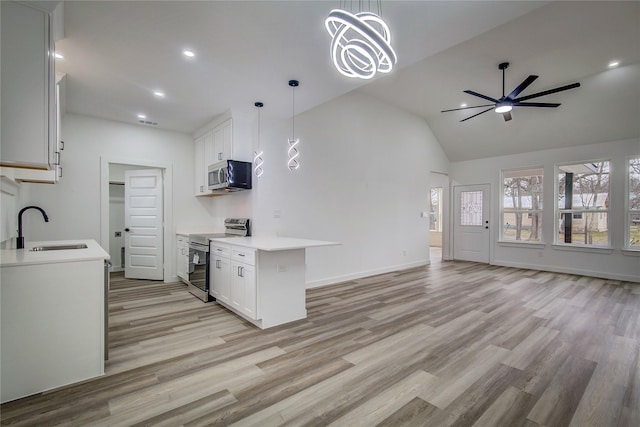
(52, 316)
(262, 279)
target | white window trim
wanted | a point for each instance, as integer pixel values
(627, 209)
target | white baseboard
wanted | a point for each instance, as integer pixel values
(361, 274)
(568, 270)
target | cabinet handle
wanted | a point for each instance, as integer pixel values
(201, 188)
(240, 254)
(60, 169)
(219, 156)
(240, 271)
(61, 145)
(57, 162)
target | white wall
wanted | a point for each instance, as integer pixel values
(615, 263)
(73, 204)
(363, 182)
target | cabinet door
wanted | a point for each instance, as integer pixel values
(222, 141)
(243, 288)
(250, 295)
(220, 279)
(236, 293)
(27, 87)
(209, 151)
(182, 257)
(227, 140)
(199, 172)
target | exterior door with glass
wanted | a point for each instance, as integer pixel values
(471, 237)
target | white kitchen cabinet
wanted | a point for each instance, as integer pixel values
(28, 87)
(182, 257)
(52, 326)
(243, 284)
(199, 172)
(228, 137)
(220, 273)
(222, 141)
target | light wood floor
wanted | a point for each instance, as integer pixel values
(454, 343)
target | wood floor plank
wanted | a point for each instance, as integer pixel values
(453, 343)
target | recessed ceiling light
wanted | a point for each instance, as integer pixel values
(142, 116)
(614, 64)
(158, 93)
(463, 105)
(188, 53)
(58, 55)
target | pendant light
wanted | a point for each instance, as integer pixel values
(258, 161)
(293, 152)
(361, 42)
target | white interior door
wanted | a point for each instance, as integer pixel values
(471, 222)
(143, 238)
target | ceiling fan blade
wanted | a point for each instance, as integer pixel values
(482, 112)
(521, 87)
(466, 108)
(488, 98)
(548, 92)
(535, 104)
(507, 116)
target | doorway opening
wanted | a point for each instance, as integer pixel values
(112, 200)
(438, 217)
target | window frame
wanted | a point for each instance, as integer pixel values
(558, 212)
(501, 238)
(628, 212)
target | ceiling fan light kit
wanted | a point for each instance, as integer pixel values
(505, 104)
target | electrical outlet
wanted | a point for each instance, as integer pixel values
(281, 268)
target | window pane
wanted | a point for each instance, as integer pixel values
(584, 186)
(435, 217)
(590, 230)
(634, 231)
(471, 208)
(634, 204)
(525, 226)
(522, 204)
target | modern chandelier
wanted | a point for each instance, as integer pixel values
(258, 161)
(361, 42)
(292, 151)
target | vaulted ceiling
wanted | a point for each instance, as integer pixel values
(116, 53)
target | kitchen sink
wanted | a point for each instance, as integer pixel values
(58, 247)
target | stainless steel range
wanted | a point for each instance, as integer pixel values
(199, 255)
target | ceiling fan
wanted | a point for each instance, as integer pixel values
(505, 104)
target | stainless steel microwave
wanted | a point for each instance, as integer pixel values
(229, 175)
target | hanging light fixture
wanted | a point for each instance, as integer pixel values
(257, 158)
(361, 42)
(292, 152)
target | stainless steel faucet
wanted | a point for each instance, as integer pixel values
(20, 236)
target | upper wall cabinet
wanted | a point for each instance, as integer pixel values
(28, 85)
(228, 137)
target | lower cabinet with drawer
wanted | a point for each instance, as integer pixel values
(267, 288)
(233, 278)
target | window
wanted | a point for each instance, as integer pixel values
(471, 208)
(583, 204)
(633, 222)
(522, 205)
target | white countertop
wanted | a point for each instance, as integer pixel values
(274, 243)
(18, 257)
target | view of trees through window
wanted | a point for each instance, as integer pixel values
(583, 204)
(633, 237)
(522, 205)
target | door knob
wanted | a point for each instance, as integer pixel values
(127, 230)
